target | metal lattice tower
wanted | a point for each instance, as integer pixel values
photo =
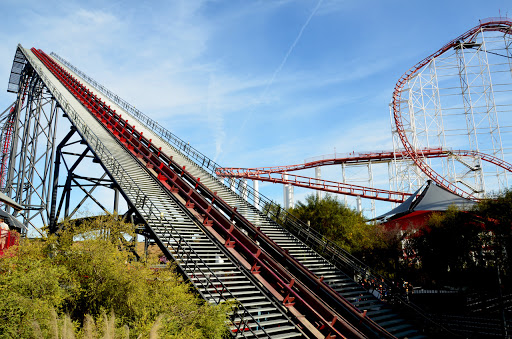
(43, 158)
(458, 99)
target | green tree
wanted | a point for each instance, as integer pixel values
(449, 249)
(338, 223)
(274, 211)
(496, 214)
(30, 288)
(85, 273)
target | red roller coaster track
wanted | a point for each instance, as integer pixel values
(276, 174)
(219, 218)
(500, 25)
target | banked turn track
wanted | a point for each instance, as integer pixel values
(279, 174)
(500, 25)
(226, 247)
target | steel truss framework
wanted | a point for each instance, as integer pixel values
(458, 97)
(44, 174)
(45, 163)
(51, 176)
(280, 174)
(210, 212)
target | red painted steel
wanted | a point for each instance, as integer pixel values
(350, 158)
(366, 157)
(200, 200)
(276, 174)
(10, 239)
(319, 184)
(270, 173)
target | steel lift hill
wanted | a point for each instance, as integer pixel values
(225, 246)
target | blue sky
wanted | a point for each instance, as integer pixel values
(248, 83)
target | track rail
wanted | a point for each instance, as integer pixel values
(198, 165)
(271, 174)
(218, 215)
(318, 184)
(366, 157)
(212, 287)
(279, 174)
(500, 25)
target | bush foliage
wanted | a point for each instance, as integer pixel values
(465, 249)
(348, 229)
(83, 283)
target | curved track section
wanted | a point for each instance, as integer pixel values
(318, 184)
(365, 157)
(337, 304)
(279, 174)
(475, 86)
(503, 26)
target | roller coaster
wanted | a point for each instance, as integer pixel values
(228, 241)
(463, 84)
(280, 174)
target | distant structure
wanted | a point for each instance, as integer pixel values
(416, 210)
(457, 98)
(451, 123)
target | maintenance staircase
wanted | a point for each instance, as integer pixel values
(320, 267)
(206, 265)
(214, 235)
(334, 277)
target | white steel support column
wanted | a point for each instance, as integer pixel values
(370, 184)
(344, 180)
(291, 202)
(244, 189)
(287, 193)
(318, 175)
(256, 188)
(359, 205)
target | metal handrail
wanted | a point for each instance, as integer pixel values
(244, 191)
(142, 201)
(338, 256)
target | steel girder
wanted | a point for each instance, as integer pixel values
(51, 173)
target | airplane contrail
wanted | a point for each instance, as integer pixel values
(283, 62)
(278, 69)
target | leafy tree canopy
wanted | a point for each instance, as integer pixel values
(80, 277)
(338, 223)
(467, 248)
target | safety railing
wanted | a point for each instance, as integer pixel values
(273, 211)
(184, 254)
